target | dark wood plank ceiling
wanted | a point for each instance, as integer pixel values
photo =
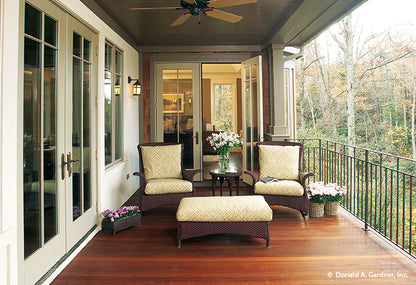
(267, 21)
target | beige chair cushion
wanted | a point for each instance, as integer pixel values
(166, 186)
(280, 162)
(49, 187)
(162, 161)
(224, 209)
(282, 187)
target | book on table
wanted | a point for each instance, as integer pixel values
(269, 179)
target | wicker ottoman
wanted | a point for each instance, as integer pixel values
(242, 215)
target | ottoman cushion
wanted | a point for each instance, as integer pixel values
(224, 209)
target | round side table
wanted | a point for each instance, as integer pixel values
(217, 174)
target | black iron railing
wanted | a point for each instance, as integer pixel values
(381, 186)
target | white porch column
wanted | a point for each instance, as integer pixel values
(281, 103)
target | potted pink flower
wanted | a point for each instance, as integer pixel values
(123, 218)
(333, 196)
(317, 198)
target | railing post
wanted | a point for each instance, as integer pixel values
(366, 193)
(320, 160)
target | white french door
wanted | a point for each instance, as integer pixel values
(252, 87)
(59, 123)
(80, 139)
(178, 108)
(43, 139)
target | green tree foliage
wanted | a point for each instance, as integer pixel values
(383, 84)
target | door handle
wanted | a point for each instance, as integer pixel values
(63, 163)
(196, 136)
(69, 163)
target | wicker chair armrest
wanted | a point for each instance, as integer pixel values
(254, 174)
(141, 174)
(189, 174)
(302, 178)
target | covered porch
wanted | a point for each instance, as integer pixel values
(114, 43)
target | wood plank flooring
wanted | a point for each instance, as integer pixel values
(328, 250)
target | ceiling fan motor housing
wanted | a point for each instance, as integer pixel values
(195, 8)
(194, 11)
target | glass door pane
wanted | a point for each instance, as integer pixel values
(248, 118)
(81, 69)
(31, 146)
(49, 145)
(76, 134)
(178, 117)
(252, 111)
(86, 132)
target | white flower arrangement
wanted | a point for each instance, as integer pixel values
(223, 142)
(319, 192)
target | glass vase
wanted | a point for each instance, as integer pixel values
(224, 161)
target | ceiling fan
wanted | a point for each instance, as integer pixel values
(204, 7)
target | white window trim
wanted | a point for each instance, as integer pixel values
(120, 160)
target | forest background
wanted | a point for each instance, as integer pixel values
(358, 87)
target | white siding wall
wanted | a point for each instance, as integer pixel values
(113, 187)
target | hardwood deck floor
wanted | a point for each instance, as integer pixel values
(328, 250)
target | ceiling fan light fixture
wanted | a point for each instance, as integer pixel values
(194, 11)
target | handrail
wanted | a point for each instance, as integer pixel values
(380, 186)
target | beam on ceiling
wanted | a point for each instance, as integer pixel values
(311, 19)
(201, 49)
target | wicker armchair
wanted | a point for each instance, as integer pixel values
(164, 180)
(281, 160)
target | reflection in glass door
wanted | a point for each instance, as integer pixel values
(178, 111)
(177, 106)
(39, 137)
(252, 111)
(80, 157)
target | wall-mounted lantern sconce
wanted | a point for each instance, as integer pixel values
(137, 86)
(117, 89)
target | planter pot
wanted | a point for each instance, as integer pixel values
(119, 225)
(331, 208)
(316, 210)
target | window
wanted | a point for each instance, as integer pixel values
(112, 103)
(223, 107)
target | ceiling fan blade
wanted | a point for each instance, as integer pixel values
(229, 3)
(181, 20)
(225, 16)
(155, 8)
